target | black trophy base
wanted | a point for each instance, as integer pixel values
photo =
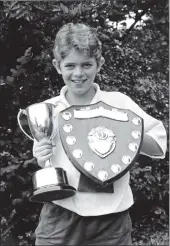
(52, 193)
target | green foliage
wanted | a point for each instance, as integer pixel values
(136, 64)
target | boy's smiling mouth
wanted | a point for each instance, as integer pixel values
(79, 81)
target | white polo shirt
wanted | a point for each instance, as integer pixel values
(89, 203)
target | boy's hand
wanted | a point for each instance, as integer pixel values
(43, 151)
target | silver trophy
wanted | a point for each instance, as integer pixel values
(49, 183)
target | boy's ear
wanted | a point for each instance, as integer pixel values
(101, 62)
(56, 64)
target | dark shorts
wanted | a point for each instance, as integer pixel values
(59, 226)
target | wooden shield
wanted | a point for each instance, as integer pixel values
(101, 141)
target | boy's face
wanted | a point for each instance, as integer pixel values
(78, 71)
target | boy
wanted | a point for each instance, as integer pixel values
(89, 217)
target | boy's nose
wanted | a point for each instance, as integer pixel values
(78, 72)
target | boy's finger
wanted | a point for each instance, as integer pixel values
(44, 141)
(45, 158)
(44, 153)
(44, 147)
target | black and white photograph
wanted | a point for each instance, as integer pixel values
(84, 126)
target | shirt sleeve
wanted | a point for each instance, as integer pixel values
(152, 127)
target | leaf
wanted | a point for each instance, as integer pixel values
(147, 169)
(31, 161)
(23, 61)
(73, 12)
(17, 201)
(9, 80)
(13, 213)
(153, 97)
(28, 18)
(22, 70)
(2, 81)
(9, 169)
(39, 8)
(20, 13)
(56, 9)
(26, 194)
(18, 66)
(3, 186)
(164, 43)
(79, 8)
(21, 179)
(14, 72)
(19, 59)
(159, 210)
(28, 52)
(104, 37)
(17, 7)
(4, 153)
(64, 8)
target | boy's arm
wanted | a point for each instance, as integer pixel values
(150, 147)
(155, 137)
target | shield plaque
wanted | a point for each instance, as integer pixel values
(101, 141)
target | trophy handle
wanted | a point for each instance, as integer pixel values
(23, 111)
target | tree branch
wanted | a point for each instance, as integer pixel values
(138, 18)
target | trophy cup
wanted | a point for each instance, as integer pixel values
(49, 183)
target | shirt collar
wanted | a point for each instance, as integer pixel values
(95, 99)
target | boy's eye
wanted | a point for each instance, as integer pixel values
(87, 65)
(69, 66)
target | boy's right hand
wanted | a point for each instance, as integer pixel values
(43, 151)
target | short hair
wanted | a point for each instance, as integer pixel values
(77, 36)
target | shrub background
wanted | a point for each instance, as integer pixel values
(136, 64)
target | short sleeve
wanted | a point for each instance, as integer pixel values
(152, 127)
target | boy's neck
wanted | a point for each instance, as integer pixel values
(75, 99)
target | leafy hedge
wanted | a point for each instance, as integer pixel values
(136, 64)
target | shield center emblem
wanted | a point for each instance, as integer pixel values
(102, 141)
